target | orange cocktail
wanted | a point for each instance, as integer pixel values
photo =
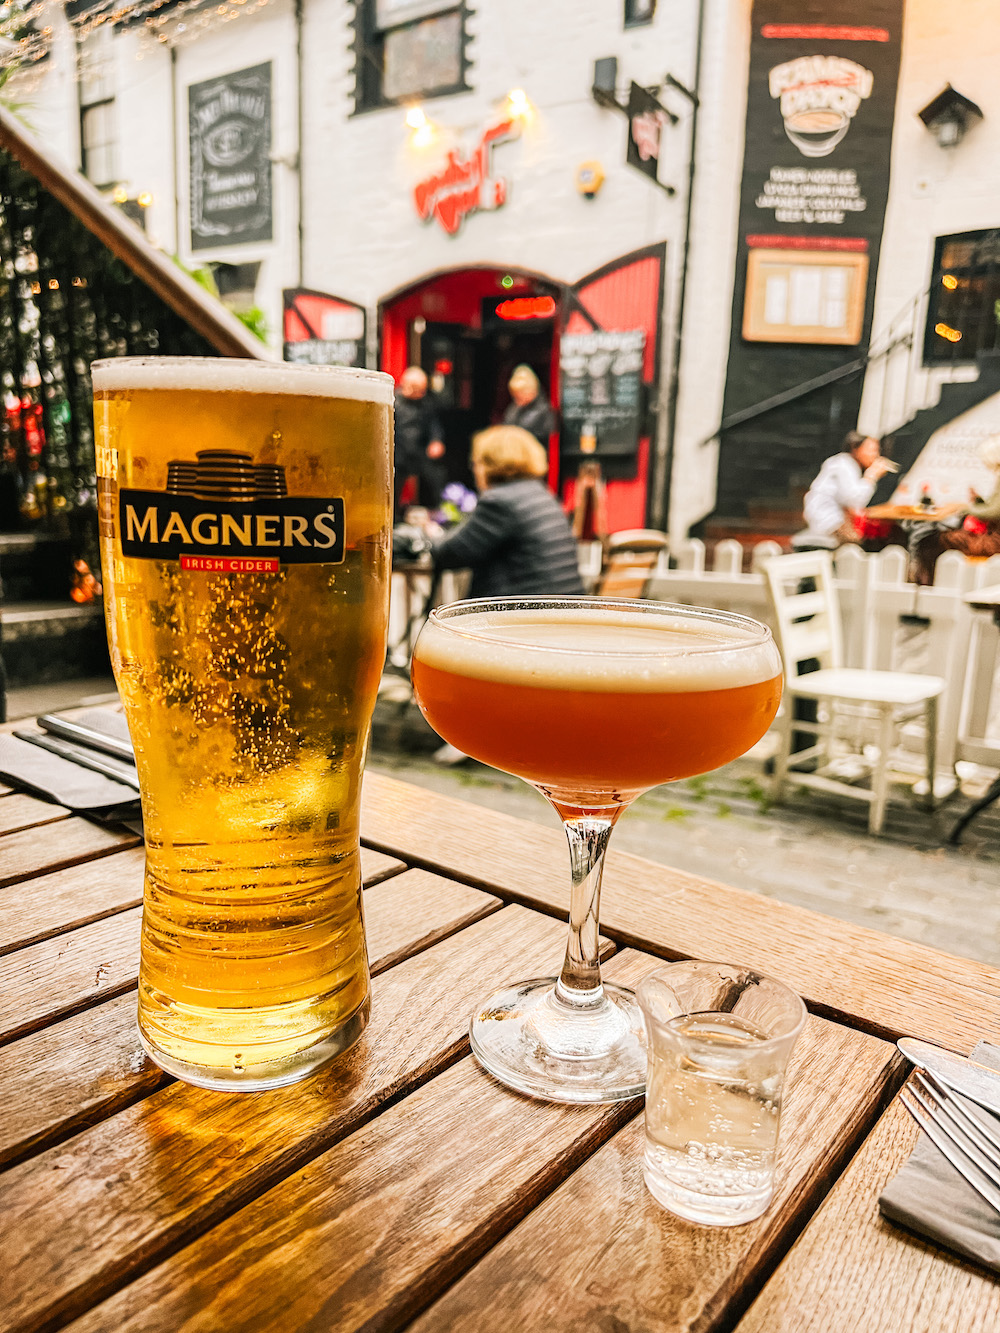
(593, 701)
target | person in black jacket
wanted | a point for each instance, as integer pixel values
(517, 541)
(529, 408)
(418, 446)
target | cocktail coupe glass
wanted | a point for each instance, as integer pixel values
(593, 701)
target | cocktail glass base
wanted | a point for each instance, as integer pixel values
(536, 1043)
(264, 1075)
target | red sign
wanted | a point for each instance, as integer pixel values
(527, 307)
(230, 564)
(465, 185)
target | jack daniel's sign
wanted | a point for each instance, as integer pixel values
(225, 514)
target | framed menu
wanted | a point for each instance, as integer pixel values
(805, 296)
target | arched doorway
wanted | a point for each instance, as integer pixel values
(468, 328)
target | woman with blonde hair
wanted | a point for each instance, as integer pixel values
(528, 407)
(517, 541)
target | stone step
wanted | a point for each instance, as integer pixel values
(45, 641)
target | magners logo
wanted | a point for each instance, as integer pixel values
(225, 513)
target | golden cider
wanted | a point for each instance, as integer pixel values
(245, 519)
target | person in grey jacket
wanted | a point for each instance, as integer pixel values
(528, 407)
(517, 541)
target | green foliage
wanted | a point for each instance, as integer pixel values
(255, 320)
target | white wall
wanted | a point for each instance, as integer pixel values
(711, 274)
(364, 238)
(933, 191)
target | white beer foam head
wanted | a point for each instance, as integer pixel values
(600, 647)
(224, 374)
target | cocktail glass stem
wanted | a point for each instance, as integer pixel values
(579, 985)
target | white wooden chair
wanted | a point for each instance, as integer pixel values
(808, 629)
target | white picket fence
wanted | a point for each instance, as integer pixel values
(957, 644)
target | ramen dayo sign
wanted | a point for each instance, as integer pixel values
(819, 97)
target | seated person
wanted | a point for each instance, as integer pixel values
(517, 541)
(844, 485)
(978, 537)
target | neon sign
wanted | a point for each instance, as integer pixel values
(527, 307)
(465, 184)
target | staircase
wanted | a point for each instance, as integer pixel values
(45, 636)
(957, 397)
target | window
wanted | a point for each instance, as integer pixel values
(98, 138)
(639, 12)
(408, 49)
(963, 310)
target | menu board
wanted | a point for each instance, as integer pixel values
(601, 389)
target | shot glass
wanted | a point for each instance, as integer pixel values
(719, 1040)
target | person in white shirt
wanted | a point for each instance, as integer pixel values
(843, 487)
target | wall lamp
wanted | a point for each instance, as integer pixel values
(949, 116)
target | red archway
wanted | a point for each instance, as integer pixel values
(457, 310)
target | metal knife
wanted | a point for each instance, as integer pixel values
(977, 1082)
(107, 767)
(71, 730)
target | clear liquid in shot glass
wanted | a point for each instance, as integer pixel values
(712, 1112)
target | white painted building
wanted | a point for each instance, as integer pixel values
(344, 221)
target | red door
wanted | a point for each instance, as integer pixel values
(622, 296)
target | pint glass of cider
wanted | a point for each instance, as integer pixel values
(245, 520)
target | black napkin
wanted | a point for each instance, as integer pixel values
(928, 1196)
(36, 770)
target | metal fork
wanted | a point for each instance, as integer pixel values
(959, 1130)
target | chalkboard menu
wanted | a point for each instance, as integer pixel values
(229, 120)
(601, 389)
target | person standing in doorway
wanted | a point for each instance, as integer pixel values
(418, 445)
(844, 485)
(529, 408)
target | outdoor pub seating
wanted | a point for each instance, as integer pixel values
(808, 630)
(630, 559)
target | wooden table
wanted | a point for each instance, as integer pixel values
(403, 1188)
(895, 513)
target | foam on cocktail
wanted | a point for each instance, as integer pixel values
(600, 648)
(220, 374)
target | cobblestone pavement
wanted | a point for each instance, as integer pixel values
(814, 851)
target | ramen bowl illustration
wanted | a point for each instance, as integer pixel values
(817, 132)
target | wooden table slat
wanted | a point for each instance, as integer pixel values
(852, 1272)
(376, 866)
(68, 973)
(67, 899)
(84, 1069)
(845, 971)
(86, 1215)
(600, 1252)
(27, 853)
(23, 811)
